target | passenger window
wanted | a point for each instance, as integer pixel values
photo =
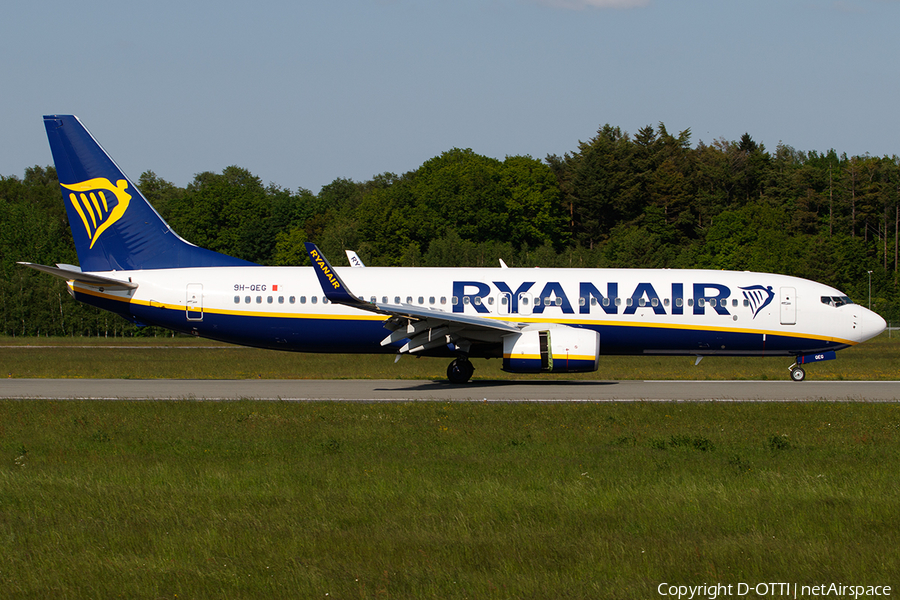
(421, 300)
(259, 299)
(270, 300)
(314, 299)
(280, 299)
(679, 302)
(292, 299)
(384, 299)
(443, 299)
(431, 300)
(246, 299)
(302, 299)
(396, 299)
(237, 299)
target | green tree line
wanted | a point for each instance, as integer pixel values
(652, 199)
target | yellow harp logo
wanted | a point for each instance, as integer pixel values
(93, 205)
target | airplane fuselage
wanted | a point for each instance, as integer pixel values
(635, 311)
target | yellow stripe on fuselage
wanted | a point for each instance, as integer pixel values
(556, 356)
(219, 311)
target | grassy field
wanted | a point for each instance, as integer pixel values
(432, 500)
(191, 358)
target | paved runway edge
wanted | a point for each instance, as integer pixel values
(396, 390)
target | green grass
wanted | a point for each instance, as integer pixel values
(434, 500)
(192, 358)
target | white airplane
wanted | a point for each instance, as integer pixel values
(535, 320)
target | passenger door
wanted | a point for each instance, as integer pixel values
(788, 306)
(194, 302)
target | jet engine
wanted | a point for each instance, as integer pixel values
(558, 349)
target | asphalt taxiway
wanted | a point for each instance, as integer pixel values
(396, 390)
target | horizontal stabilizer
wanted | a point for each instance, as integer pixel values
(72, 275)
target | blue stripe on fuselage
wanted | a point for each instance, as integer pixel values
(364, 335)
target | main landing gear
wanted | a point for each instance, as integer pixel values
(460, 370)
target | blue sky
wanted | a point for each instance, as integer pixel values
(301, 93)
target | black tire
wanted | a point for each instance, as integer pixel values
(460, 371)
(798, 374)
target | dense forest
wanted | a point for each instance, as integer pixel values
(651, 199)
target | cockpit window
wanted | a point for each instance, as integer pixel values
(836, 300)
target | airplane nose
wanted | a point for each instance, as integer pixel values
(867, 324)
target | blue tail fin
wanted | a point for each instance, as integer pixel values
(114, 226)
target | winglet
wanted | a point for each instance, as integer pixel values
(332, 285)
(355, 260)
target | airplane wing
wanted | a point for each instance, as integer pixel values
(425, 328)
(72, 273)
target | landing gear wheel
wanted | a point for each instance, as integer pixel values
(460, 371)
(798, 374)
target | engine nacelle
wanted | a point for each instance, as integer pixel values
(558, 349)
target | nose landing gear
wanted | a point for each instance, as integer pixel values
(797, 373)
